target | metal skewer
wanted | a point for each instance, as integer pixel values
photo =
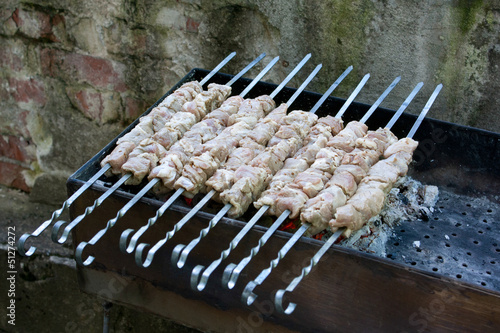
(248, 296)
(199, 280)
(233, 271)
(317, 257)
(133, 241)
(181, 251)
(207, 197)
(133, 201)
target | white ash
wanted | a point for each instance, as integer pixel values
(408, 200)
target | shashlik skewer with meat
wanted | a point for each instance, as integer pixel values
(224, 178)
(323, 165)
(264, 124)
(168, 103)
(148, 186)
(147, 153)
(398, 166)
(201, 274)
(169, 172)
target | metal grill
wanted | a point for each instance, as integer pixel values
(455, 249)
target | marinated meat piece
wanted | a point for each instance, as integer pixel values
(118, 156)
(406, 144)
(319, 209)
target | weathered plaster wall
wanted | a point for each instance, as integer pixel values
(74, 73)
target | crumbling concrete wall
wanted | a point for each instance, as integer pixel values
(75, 73)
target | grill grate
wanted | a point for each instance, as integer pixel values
(460, 240)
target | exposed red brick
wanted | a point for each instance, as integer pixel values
(192, 25)
(33, 24)
(15, 148)
(11, 175)
(98, 72)
(88, 102)
(28, 90)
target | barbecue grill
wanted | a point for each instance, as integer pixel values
(449, 282)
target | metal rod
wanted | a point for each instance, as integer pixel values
(352, 96)
(133, 241)
(214, 221)
(56, 214)
(404, 105)
(217, 68)
(330, 90)
(379, 100)
(424, 111)
(317, 257)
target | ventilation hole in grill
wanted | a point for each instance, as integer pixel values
(396, 244)
(441, 207)
(489, 210)
(413, 263)
(389, 256)
(479, 231)
(419, 250)
(475, 242)
(427, 236)
(454, 234)
(483, 283)
(459, 276)
(488, 272)
(493, 262)
(497, 250)
(468, 205)
(434, 269)
(436, 218)
(447, 245)
(432, 227)
(402, 230)
(458, 225)
(464, 213)
(485, 221)
(469, 254)
(464, 264)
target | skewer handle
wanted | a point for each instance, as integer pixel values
(278, 301)
(21, 248)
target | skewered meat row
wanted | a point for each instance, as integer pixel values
(320, 209)
(150, 151)
(320, 134)
(248, 148)
(369, 198)
(254, 116)
(251, 180)
(174, 164)
(308, 183)
(150, 124)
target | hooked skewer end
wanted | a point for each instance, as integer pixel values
(248, 296)
(79, 253)
(126, 245)
(177, 259)
(21, 247)
(138, 256)
(278, 303)
(197, 281)
(55, 232)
